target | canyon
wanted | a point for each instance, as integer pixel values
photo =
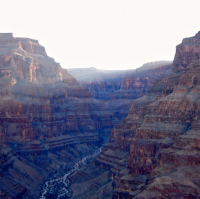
(154, 152)
(48, 121)
(116, 89)
(54, 122)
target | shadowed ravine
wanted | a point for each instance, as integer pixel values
(57, 187)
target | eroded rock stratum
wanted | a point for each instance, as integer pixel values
(117, 88)
(154, 152)
(47, 120)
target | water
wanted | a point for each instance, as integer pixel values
(61, 184)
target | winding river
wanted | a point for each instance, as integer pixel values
(61, 184)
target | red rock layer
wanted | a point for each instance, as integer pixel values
(118, 88)
(43, 110)
(134, 85)
(161, 135)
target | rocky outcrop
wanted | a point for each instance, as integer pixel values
(44, 116)
(160, 136)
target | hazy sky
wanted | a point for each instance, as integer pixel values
(107, 34)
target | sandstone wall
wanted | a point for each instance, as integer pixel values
(45, 116)
(160, 135)
(134, 85)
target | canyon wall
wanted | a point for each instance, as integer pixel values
(154, 152)
(118, 88)
(134, 85)
(47, 119)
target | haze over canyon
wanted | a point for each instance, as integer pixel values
(90, 133)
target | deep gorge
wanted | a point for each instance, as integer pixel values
(52, 118)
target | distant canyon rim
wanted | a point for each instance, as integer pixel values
(53, 121)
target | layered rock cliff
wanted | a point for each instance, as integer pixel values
(118, 88)
(154, 152)
(134, 85)
(47, 120)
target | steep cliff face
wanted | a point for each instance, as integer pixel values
(45, 117)
(118, 88)
(160, 136)
(134, 85)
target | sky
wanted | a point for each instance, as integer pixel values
(106, 34)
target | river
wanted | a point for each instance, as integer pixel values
(61, 184)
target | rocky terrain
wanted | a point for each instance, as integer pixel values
(118, 88)
(48, 121)
(154, 152)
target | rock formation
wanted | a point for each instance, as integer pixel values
(154, 152)
(100, 83)
(48, 121)
(118, 88)
(46, 118)
(134, 85)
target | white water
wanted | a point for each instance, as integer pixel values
(63, 181)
